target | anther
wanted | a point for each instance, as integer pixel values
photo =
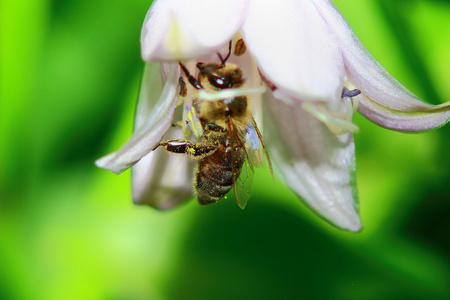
(240, 48)
(346, 93)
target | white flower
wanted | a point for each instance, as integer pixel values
(311, 60)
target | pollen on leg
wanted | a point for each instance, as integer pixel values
(193, 121)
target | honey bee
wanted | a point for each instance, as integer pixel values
(227, 133)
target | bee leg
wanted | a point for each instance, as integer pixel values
(194, 151)
(191, 78)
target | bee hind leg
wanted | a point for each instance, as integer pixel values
(193, 150)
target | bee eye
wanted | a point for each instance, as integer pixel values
(219, 82)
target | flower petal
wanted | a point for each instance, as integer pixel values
(384, 100)
(154, 115)
(418, 119)
(316, 164)
(294, 48)
(163, 180)
(179, 29)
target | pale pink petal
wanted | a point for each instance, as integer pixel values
(384, 100)
(313, 162)
(294, 48)
(154, 116)
(161, 179)
(180, 29)
(418, 119)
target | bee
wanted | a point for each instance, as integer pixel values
(228, 136)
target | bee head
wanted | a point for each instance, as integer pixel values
(220, 76)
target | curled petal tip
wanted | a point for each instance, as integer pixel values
(419, 119)
(353, 225)
(153, 119)
(114, 163)
(383, 100)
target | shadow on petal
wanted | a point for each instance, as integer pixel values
(313, 162)
(161, 179)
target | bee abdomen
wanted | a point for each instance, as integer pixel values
(210, 194)
(213, 181)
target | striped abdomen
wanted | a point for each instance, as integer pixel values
(214, 178)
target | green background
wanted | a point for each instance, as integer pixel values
(69, 79)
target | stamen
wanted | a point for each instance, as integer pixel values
(349, 109)
(336, 125)
(280, 96)
(355, 103)
(269, 83)
(229, 93)
(349, 94)
(240, 48)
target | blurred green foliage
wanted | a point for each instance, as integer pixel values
(69, 78)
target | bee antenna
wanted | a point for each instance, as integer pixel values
(224, 60)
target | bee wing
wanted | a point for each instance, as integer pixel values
(262, 149)
(254, 151)
(243, 185)
(251, 140)
(252, 144)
